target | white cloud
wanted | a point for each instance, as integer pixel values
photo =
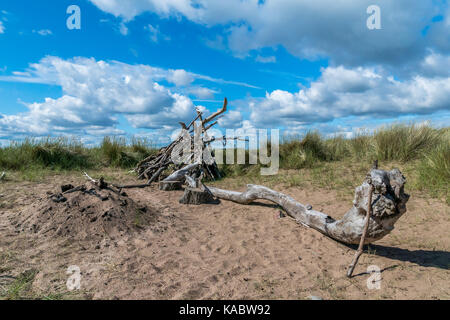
(95, 93)
(311, 29)
(202, 92)
(98, 96)
(436, 64)
(40, 73)
(2, 28)
(132, 8)
(181, 110)
(342, 92)
(231, 119)
(180, 77)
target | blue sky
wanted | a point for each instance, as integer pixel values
(138, 67)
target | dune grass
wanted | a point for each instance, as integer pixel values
(422, 151)
(66, 154)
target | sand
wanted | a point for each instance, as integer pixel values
(155, 248)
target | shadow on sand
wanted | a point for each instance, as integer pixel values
(424, 258)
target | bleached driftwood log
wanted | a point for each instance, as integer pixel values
(180, 175)
(388, 205)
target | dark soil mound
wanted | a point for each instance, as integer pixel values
(89, 212)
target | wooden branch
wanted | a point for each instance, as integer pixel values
(192, 122)
(76, 189)
(217, 113)
(99, 183)
(211, 125)
(2, 176)
(388, 207)
(156, 175)
(363, 237)
(359, 252)
(132, 186)
(180, 174)
(183, 125)
(225, 139)
(89, 178)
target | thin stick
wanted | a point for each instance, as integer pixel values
(217, 113)
(192, 122)
(156, 175)
(358, 253)
(131, 186)
(99, 183)
(89, 178)
(211, 125)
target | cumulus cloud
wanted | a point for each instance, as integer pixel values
(312, 29)
(132, 8)
(436, 64)
(181, 110)
(342, 92)
(180, 77)
(231, 119)
(95, 93)
(2, 27)
(98, 94)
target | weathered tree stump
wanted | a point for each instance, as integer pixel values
(170, 185)
(197, 196)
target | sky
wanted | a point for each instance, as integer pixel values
(138, 67)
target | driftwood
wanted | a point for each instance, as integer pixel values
(216, 114)
(197, 196)
(359, 252)
(99, 183)
(388, 205)
(364, 234)
(153, 166)
(180, 175)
